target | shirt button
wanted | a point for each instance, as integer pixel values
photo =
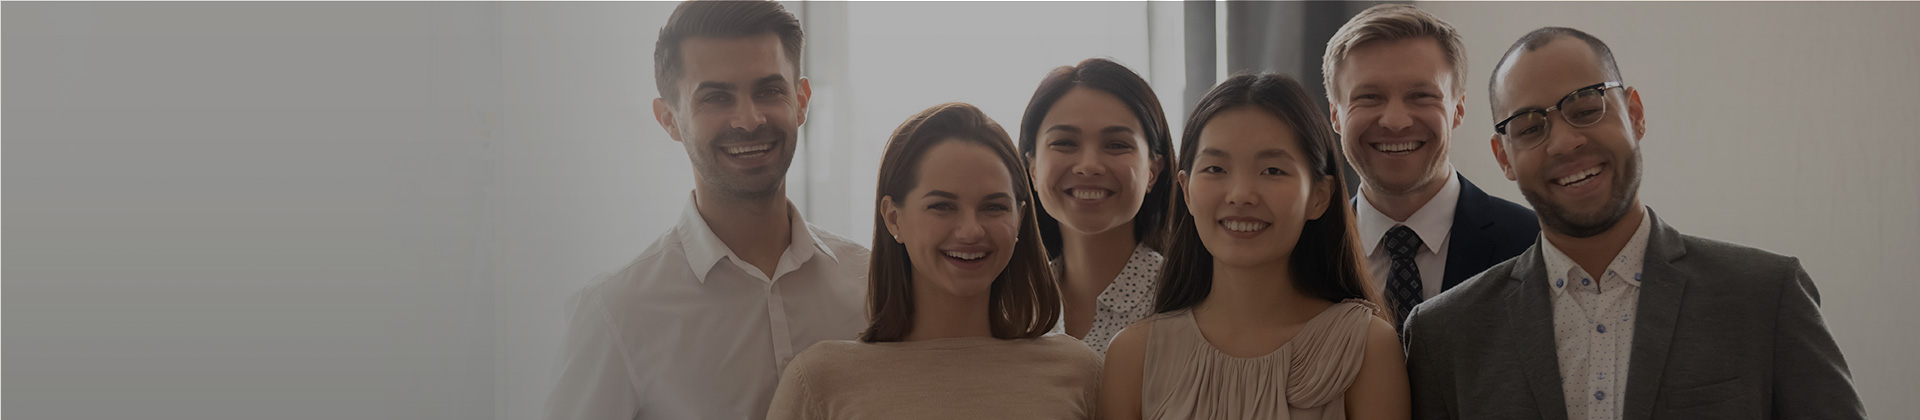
(1585, 281)
(1602, 328)
(1600, 395)
(1559, 282)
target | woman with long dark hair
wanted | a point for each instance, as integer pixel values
(1263, 307)
(1102, 161)
(960, 298)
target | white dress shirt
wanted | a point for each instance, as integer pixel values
(690, 331)
(1129, 298)
(1593, 326)
(1433, 223)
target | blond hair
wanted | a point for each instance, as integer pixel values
(1393, 22)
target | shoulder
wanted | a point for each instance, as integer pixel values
(1130, 345)
(663, 263)
(848, 252)
(1719, 264)
(828, 356)
(1067, 351)
(1470, 299)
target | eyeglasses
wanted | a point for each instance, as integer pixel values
(1584, 107)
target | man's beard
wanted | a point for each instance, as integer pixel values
(756, 183)
(1619, 201)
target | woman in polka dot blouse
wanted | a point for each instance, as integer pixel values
(1099, 150)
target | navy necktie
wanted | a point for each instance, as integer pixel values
(1403, 283)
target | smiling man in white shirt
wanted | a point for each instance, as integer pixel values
(702, 323)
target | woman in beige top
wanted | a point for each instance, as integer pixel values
(960, 295)
(1263, 310)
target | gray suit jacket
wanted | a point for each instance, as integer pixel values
(1723, 331)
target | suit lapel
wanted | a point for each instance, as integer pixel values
(1530, 317)
(1470, 247)
(1660, 297)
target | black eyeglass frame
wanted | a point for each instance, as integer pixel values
(1501, 127)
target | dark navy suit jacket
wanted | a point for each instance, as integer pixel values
(1486, 230)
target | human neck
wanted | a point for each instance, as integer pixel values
(1093, 260)
(1401, 205)
(744, 225)
(1257, 295)
(937, 314)
(1594, 253)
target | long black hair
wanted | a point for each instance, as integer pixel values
(1326, 263)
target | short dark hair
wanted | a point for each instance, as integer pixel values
(1540, 38)
(720, 19)
(1326, 262)
(1107, 76)
(1023, 301)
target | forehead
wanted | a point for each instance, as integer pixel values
(744, 59)
(1400, 61)
(1539, 78)
(1246, 130)
(963, 167)
(1091, 109)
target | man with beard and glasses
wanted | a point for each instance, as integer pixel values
(1614, 314)
(1396, 81)
(702, 323)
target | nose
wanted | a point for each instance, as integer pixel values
(970, 231)
(1395, 117)
(746, 116)
(1563, 139)
(1240, 192)
(1087, 163)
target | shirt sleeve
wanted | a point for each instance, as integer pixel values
(594, 382)
(1811, 379)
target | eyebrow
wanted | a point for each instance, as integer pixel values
(1109, 130)
(772, 79)
(1263, 154)
(952, 196)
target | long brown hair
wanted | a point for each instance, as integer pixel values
(1326, 261)
(1023, 301)
(1149, 223)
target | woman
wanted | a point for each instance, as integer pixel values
(960, 297)
(1100, 153)
(1263, 310)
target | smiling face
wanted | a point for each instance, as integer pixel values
(1580, 180)
(1396, 112)
(1092, 162)
(739, 109)
(1251, 190)
(960, 223)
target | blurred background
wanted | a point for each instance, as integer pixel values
(376, 210)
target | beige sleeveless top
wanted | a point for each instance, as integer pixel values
(1307, 378)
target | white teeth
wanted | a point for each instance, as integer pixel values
(1583, 175)
(1238, 226)
(1088, 194)
(748, 149)
(1396, 147)
(967, 255)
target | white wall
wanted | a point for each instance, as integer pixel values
(1780, 125)
(248, 210)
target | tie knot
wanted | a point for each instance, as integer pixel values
(1402, 242)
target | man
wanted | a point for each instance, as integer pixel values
(1614, 314)
(703, 322)
(1396, 86)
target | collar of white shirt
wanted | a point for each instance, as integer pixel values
(1432, 221)
(1627, 265)
(704, 249)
